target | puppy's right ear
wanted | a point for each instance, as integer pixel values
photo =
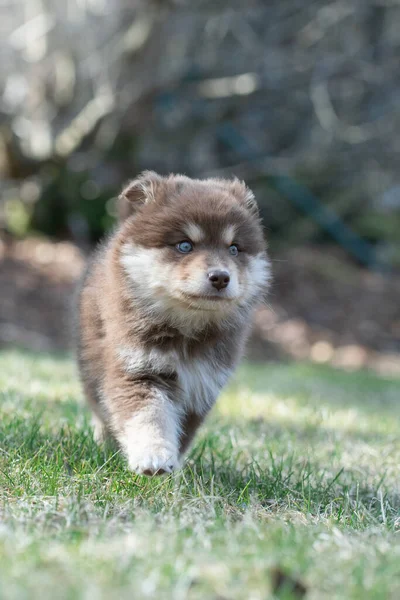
(140, 191)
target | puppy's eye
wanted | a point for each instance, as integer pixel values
(184, 247)
(234, 250)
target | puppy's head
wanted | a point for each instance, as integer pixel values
(193, 246)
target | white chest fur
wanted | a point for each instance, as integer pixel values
(199, 379)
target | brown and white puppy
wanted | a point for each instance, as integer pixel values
(165, 311)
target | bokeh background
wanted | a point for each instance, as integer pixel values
(299, 98)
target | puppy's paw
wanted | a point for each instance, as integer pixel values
(154, 459)
(99, 430)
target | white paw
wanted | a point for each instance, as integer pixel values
(153, 459)
(99, 430)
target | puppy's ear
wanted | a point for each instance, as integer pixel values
(244, 194)
(140, 191)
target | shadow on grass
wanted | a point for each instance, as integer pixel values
(47, 448)
(69, 463)
(312, 433)
(57, 355)
(322, 385)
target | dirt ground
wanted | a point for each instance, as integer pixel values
(321, 308)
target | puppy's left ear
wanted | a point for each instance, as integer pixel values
(244, 194)
(146, 188)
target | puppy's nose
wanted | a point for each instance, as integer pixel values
(219, 279)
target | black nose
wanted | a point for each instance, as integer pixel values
(219, 279)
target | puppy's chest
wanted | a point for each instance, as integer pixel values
(199, 379)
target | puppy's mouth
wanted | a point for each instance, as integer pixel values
(212, 298)
(205, 301)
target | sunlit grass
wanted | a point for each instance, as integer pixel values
(298, 467)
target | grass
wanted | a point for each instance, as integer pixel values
(297, 469)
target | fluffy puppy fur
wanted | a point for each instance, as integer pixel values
(165, 311)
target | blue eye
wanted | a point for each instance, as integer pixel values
(184, 247)
(234, 250)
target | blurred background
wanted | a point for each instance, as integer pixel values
(299, 98)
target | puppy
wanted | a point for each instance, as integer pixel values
(165, 311)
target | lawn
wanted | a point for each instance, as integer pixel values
(294, 478)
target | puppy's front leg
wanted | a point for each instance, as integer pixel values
(146, 423)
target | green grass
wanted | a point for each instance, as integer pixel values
(296, 469)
